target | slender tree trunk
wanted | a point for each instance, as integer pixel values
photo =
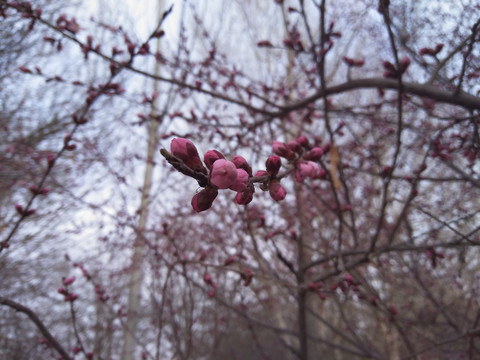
(135, 283)
(100, 331)
(303, 257)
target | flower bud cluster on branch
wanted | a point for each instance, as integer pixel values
(217, 173)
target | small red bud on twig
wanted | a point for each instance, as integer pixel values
(69, 281)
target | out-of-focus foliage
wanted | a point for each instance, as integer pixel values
(372, 253)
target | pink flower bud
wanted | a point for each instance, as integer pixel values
(302, 140)
(229, 260)
(308, 169)
(69, 281)
(349, 279)
(246, 196)
(315, 154)
(241, 182)
(187, 152)
(426, 51)
(261, 173)
(30, 212)
(298, 176)
(24, 69)
(19, 208)
(71, 297)
(294, 146)
(393, 310)
(207, 278)
(326, 148)
(348, 61)
(247, 276)
(386, 171)
(273, 164)
(279, 148)
(404, 63)
(277, 192)
(67, 139)
(241, 163)
(223, 174)
(211, 156)
(204, 199)
(314, 286)
(131, 49)
(264, 43)
(50, 159)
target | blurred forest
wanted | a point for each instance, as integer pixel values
(356, 236)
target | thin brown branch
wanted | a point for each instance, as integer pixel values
(40, 325)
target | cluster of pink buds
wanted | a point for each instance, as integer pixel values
(304, 157)
(246, 276)
(101, 293)
(68, 296)
(216, 173)
(207, 279)
(79, 349)
(347, 283)
(39, 191)
(23, 212)
(70, 25)
(392, 72)
(84, 271)
(430, 51)
(315, 288)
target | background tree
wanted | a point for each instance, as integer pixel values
(361, 244)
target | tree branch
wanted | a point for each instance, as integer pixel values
(425, 90)
(43, 329)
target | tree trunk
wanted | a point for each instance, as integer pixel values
(134, 285)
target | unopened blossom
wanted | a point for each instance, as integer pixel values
(315, 154)
(246, 196)
(207, 278)
(203, 200)
(307, 169)
(223, 174)
(241, 182)
(187, 152)
(247, 276)
(294, 146)
(404, 64)
(277, 191)
(68, 281)
(302, 140)
(273, 164)
(211, 156)
(241, 163)
(279, 148)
